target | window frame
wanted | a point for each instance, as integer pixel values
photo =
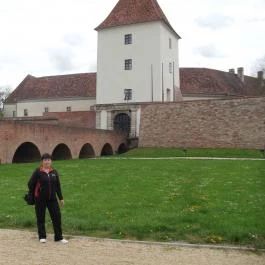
(170, 68)
(128, 64)
(127, 94)
(128, 39)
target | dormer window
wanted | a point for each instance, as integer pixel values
(128, 39)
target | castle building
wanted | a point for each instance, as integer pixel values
(137, 64)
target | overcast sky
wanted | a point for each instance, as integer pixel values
(51, 37)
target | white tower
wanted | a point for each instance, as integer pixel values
(137, 58)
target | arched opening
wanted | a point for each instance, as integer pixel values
(26, 152)
(61, 152)
(122, 149)
(87, 151)
(122, 123)
(106, 150)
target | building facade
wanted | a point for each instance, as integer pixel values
(138, 64)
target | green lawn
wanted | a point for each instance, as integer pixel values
(202, 201)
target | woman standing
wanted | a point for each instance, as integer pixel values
(45, 184)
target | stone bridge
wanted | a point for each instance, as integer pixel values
(25, 142)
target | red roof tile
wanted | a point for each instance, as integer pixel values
(128, 12)
(54, 87)
(214, 82)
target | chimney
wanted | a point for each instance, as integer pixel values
(232, 71)
(260, 78)
(240, 73)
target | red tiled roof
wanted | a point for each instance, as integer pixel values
(254, 87)
(128, 12)
(199, 81)
(54, 87)
(214, 82)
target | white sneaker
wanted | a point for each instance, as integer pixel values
(64, 241)
(43, 240)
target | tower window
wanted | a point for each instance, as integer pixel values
(168, 94)
(128, 64)
(127, 94)
(170, 68)
(170, 43)
(128, 39)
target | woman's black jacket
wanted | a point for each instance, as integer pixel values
(44, 185)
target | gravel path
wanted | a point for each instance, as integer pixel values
(22, 247)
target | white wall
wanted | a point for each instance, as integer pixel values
(36, 108)
(138, 123)
(103, 120)
(149, 47)
(9, 109)
(169, 56)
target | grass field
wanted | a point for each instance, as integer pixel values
(198, 201)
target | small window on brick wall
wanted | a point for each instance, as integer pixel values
(26, 112)
(68, 108)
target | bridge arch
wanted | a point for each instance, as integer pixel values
(106, 150)
(61, 152)
(27, 152)
(122, 148)
(87, 151)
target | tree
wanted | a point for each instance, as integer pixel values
(4, 93)
(259, 64)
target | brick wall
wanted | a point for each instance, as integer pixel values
(75, 118)
(47, 136)
(238, 123)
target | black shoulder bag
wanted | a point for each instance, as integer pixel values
(29, 198)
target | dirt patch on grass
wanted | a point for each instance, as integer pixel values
(23, 247)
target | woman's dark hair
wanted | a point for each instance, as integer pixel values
(46, 156)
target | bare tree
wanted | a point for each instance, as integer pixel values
(4, 93)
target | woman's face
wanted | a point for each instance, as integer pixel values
(47, 162)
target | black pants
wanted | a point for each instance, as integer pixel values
(55, 214)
